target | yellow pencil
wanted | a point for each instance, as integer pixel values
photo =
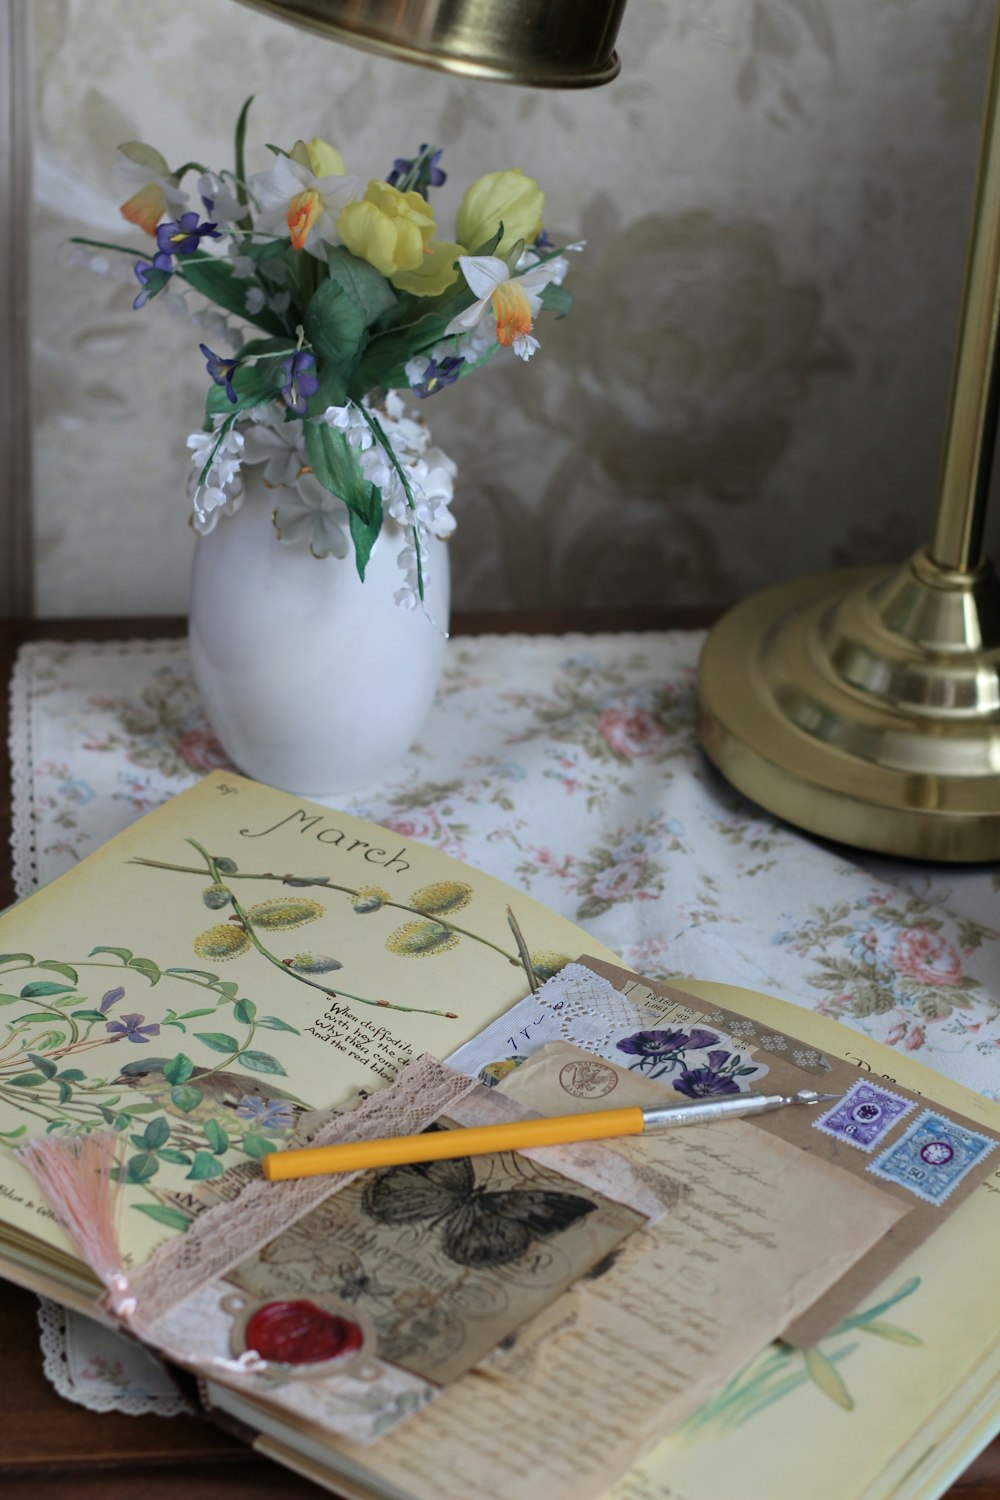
(552, 1130)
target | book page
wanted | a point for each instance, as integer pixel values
(228, 965)
(754, 1232)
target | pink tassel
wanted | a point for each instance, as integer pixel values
(74, 1172)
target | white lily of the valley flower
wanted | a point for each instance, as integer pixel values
(349, 420)
(289, 187)
(277, 444)
(506, 304)
(220, 199)
(312, 514)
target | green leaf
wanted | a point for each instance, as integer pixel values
(191, 1015)
(16, 958)
(201, 973)
(365, 530)
(157, 1134)
(204, 1167)
(87, 1015)
(13, 1135)
(556, 299)
(28, 1080)
(72, 1075)
(146, 967)
(274, 1023)
(893, 1333)
(332, 460)
(214, 279)
(216, 1137)
(36, 1015)
(66, 970)
(245, 1011)
(368, 287)
(9, 999)
(64, 1090)
(257, 1145)
(826, 1377)
(335, 326)
(43, 1065)
(260, 1062)
(186, 1097)
(42, 987)
(142, 1167)
(178, 1069)
(218, 1041)
(238, 154)
(125, 954)
(175, 1157)
(164, 1214)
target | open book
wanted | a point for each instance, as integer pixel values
(239, 964)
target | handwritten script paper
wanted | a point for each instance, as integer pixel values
(754, 1232)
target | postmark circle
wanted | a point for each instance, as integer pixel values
(587, 1079)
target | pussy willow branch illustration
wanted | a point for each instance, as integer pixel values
(517, 960)
(220, 878)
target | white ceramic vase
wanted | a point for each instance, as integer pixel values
(313, 681)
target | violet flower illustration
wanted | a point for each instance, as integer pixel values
(653, 1046)
(131, 1029)
(111, 998)
(703, 1083)
(265, 1114)
(148, 273)
(439, 374)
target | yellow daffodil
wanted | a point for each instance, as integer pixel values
(509, 198)
(156, 188)
(387, 228)
(435, 272)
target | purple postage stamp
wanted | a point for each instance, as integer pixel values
(932, 1156)
(864, 1116)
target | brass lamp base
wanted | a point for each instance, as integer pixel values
(864, 706)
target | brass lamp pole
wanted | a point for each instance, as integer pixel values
(862, 705)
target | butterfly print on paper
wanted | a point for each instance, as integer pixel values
(479, 1227)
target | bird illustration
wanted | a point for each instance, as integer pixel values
(262, 1105)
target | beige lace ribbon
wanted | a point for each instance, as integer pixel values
(226, 1234)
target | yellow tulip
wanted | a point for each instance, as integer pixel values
(387, 228)
(318, 157)
(509, 198)
(435, 273)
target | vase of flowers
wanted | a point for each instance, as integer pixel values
(319, 604)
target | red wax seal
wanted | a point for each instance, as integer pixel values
(300, 1333)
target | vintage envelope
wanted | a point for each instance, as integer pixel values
(927, 1160)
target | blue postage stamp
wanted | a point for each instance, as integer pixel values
(932, 1156)
(864, 1116)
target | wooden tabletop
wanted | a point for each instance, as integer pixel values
(51, 1448)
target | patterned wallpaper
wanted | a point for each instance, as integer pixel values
(752, 382)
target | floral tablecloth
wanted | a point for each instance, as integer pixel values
(568, 766)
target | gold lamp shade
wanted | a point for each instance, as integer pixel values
(542, 43)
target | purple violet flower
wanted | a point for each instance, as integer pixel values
(299, 384)
(182, 236)
(131, 1029)
(700, 1038)
(146, 273)
(429, 174)
(716, 1059)
(439, 374)
(221, 370)
(702, 1083)
(654, 1045)
(265, 1114)
(111, 998)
